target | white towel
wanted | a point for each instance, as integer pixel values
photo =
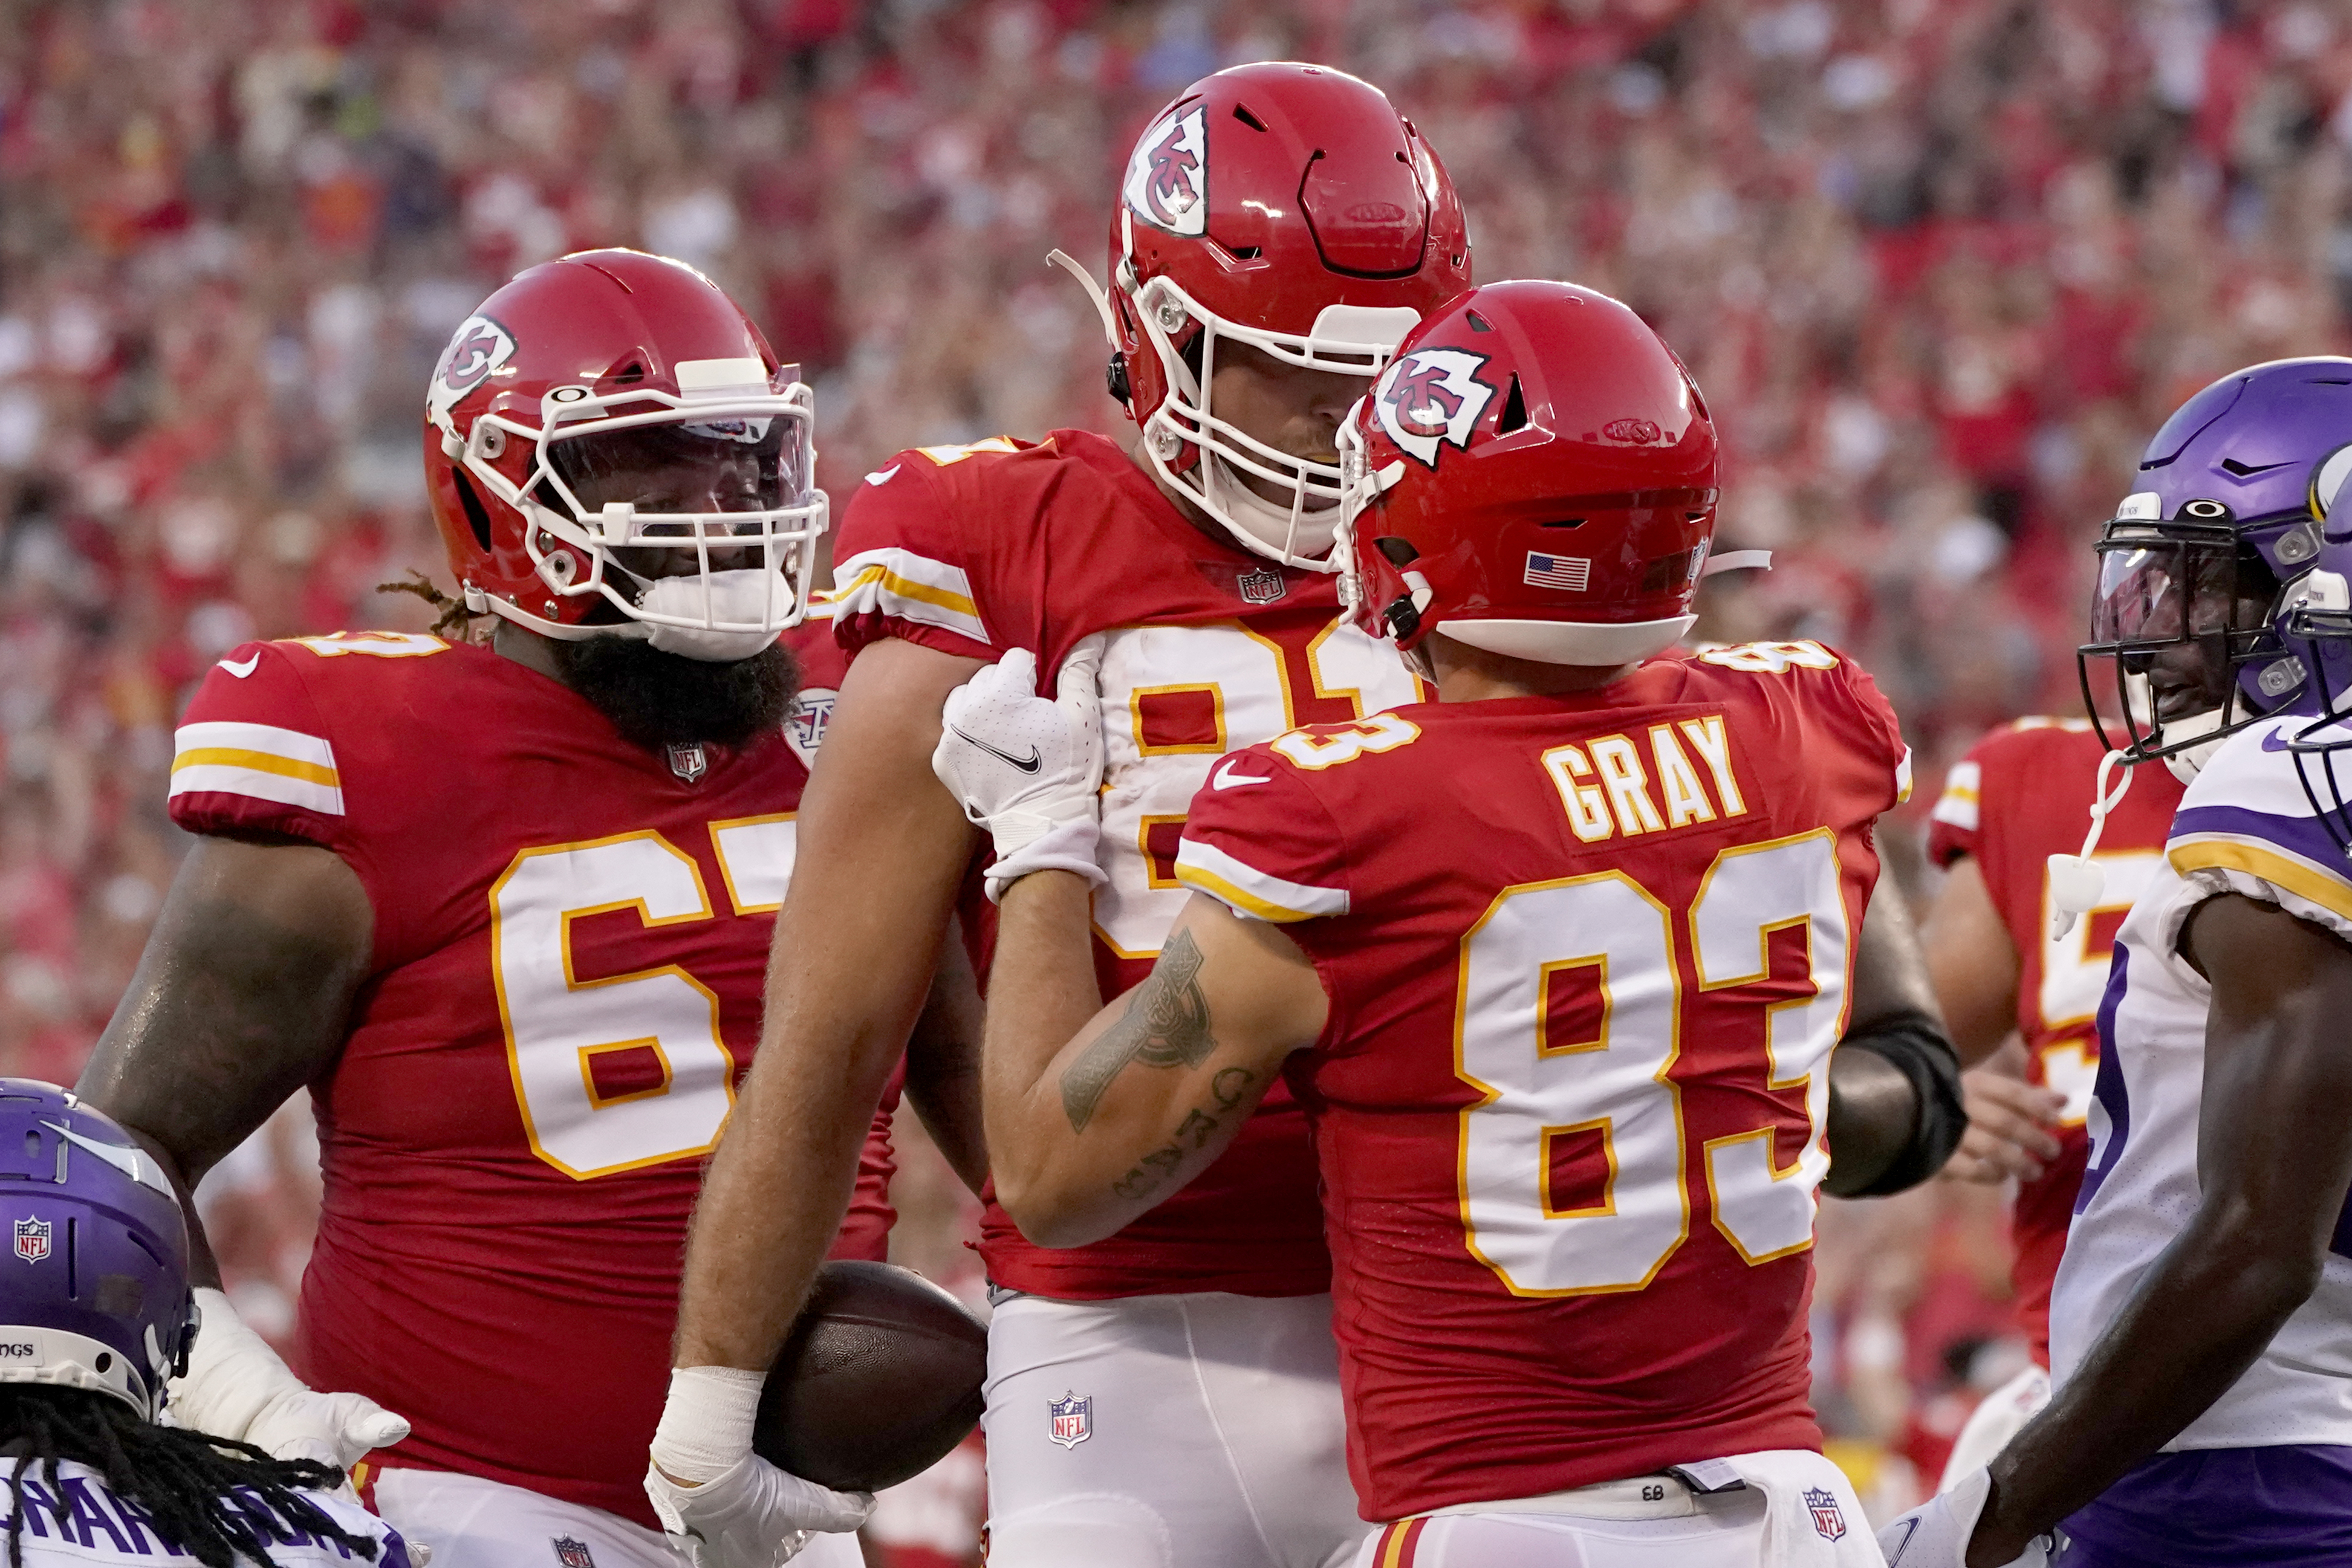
(1811, 1517)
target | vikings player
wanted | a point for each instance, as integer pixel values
(505, 911)
(1167, 1396)
(95, 1311)
(2201, 1323)
(1569, 967)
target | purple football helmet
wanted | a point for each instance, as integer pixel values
(94, 1293)
(2202, 598)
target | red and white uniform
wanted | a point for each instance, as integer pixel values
(1587, 956)
(571, 937)
(1196, 1342)
(2023, 794)
(1011, 544)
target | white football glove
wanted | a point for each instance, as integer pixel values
(237, 1387)
(1935, 1534)
(1027, 768)
(730, 1507)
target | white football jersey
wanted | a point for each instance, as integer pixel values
(2244, 826)
(99, 1528)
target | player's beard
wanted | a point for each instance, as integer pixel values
(656, 699)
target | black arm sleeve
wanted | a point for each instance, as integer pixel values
(1914, 1045)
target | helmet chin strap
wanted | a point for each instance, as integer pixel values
(2186, 762)
(1285, 531)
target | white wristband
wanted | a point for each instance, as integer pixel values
(706, 1425)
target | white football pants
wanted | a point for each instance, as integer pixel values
(1994, 1421)
(1211, 1436)
(1798, 1513)
(470, 1523)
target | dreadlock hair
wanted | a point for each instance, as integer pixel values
(219, 1501)
(455, 622)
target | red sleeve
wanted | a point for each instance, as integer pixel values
(1956, 826)
(1259, 840)
(866, 1229)
(906, 558)
(252, 755)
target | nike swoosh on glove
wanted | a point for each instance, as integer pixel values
(1028, 768)
(1935, 1534)
(237, 1387)
(751, 1516)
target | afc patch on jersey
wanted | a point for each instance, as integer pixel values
(33, 1239)
(1829, 1519)
(1073, 1420)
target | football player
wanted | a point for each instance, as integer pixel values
(505, 910)
(97, 1310)
(1569, 969)
(1168, 1396)
(2201, 1328)
(2001, 963)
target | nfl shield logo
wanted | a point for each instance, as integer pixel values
(1261, 587)
(572, 1553)
(690, 764)
(1073, 1420)
(1829, 1519)
(32, 1240)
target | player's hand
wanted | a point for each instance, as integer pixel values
(751, 1516)
(237, 1387)
(1936, 1533)
(1027, 768)
(2009, 1135)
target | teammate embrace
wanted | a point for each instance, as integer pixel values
(1424, 1004)
(1541, 986)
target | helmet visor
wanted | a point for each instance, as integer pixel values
(682, 470)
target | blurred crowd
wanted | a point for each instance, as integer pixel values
(1941, 266)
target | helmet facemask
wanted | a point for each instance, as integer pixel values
(628, 480)
(1208, 459)
(2183, 606)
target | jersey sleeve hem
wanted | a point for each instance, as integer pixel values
(2265, 875)
(1247, 891)
(901, 585)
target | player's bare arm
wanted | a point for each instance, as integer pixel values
(2274, 1160)
(1975, 970)
(243, 995)
(1895, 1108)
(883, 848)
(943, 1063)
(1091, 1130)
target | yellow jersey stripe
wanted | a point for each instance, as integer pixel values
(2278, 870)
(255, 761)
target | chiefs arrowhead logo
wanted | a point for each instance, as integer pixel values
(1168, 177)
(1429, 397)
(480, 347)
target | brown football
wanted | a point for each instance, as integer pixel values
(880, 1379)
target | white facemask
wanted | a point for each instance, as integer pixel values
(741, 597)
(1271, 523)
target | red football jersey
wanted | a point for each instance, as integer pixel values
(571, 937)
(2021, 795)
(1570, 1105)
(1003, 544)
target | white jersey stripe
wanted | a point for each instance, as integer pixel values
(1246, 889)
(911, 586)
(292, 745)
(1957, 805)
(216, 778)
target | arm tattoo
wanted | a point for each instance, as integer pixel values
(1200, 1124)
(1166, 1025)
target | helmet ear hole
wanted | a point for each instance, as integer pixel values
(1398, 552)
(1115, 378)
(476, 518)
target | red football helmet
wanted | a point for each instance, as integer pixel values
(610, 404)
(1535, 474)
(1285, 206)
